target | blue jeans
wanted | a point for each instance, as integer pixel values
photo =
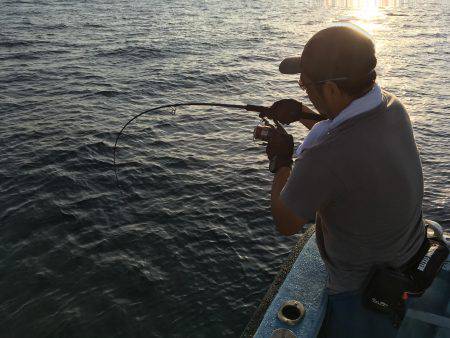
(346, 317)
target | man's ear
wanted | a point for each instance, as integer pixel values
(330, 90)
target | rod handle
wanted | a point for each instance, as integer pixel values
(267, 112)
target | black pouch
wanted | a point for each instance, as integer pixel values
(387, 289)
(427, 268)
(385, 292)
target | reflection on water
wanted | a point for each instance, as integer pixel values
(367, 3)
(367, 14)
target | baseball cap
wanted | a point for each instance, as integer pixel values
(334, 52)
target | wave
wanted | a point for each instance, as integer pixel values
(54, 26)
(15, 43)
(396, 14)
(108, 93)
(20, 56)
(134, 52)
(93, 25)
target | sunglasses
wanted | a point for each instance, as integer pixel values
(304, 85)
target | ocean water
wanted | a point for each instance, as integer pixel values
(186, 247)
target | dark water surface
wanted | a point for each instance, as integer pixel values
(187, 248)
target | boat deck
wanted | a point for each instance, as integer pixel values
(427, 316)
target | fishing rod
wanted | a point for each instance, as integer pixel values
(264, 112)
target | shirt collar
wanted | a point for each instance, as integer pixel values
(365, 103)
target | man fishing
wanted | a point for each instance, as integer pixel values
(357, 174)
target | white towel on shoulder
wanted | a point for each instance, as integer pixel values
(365, 103)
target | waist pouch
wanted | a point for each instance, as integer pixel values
(387, 289)
(423, 273)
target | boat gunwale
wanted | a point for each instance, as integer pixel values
(271, 293)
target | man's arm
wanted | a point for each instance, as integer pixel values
(286, 221)
(308, 123)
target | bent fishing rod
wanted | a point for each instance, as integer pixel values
(264, 112)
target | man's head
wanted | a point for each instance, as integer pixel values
(337, 66)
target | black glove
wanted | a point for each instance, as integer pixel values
(279, 149)
(286, 111)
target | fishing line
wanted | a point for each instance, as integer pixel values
(263, 112)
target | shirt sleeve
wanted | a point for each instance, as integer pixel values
(310, 186)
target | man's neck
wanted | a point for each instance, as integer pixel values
(339, 107)
(345, 101)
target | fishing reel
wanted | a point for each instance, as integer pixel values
(264, 131)
(272, 134)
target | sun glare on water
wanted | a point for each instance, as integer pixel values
(367, 14)
(367, 11)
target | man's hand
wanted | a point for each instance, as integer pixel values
(279, 149)
(286, 111)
